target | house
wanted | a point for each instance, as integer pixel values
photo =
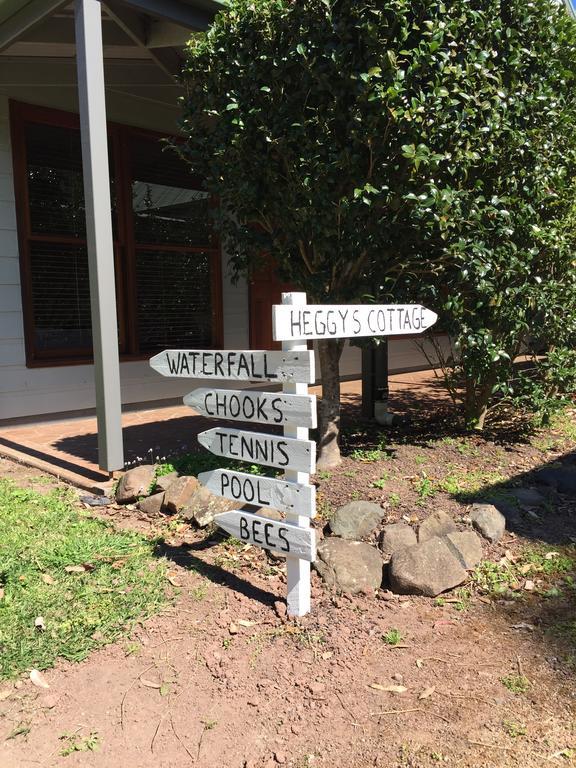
(105, 241)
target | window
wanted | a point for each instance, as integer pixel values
(167, 259)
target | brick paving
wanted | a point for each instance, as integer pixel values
(68, 448)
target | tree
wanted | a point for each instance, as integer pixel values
(506, 216)
(321, 126)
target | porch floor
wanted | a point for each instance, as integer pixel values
(68, 448)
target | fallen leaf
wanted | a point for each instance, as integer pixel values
(246, 623)
(388, 688)
(39, 623)
(173, 580)
(37, 678)
(529, 585)
(150, 683)
(20, 730)
(47, 579)
(164, 689)
(523, 625)
(75, 569)
(550, 555)
(419, 663)
(524, 569)
(327, 655)
(427, 692)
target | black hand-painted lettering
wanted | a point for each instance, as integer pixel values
(218, 367)
(262, 498)
(174, 365)
(277, 410)
(282, 536)
(281, 449)
(243, 366)
(255, 532)
(267, 528)
(261, 414)
(244, 534)
(208, 396)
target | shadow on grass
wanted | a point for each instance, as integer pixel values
(184, 557)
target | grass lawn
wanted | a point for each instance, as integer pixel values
(68, 583)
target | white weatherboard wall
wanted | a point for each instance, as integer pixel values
(53, 390)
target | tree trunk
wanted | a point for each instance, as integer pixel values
(330, 351)
(477, 400)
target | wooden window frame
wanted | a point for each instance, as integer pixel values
(125, 245)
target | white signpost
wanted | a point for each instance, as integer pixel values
(293, 409)
(261, 491)
(239, 365)
(261, 407)
(286, 539)
(324, 321)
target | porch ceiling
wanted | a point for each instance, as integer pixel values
(153, 30)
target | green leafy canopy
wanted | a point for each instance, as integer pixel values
(409, 148)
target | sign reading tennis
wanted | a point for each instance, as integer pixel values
(324, 321)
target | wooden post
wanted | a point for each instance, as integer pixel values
(298, 571)
(90, 63)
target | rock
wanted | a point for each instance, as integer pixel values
(437, 524)
(356, 520)
(527, 497)
(152, 505)
(203, 505)
(427, 568)
(489, 521)
(396, 536)
(468, 546)
(561, 478)
(135, 483)
(350, 566)
(179, 494)
(165, 481)
(96, 501)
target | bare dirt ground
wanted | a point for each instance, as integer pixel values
(222, 679)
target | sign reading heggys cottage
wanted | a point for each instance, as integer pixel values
(292, 409)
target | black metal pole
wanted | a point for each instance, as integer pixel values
(374, 377)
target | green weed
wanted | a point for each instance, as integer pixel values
(394, 499)
(513, 729)
(425, 489)
(366, 455)
(516, 683)
(199, 592)
(392, 637)
(76, 743)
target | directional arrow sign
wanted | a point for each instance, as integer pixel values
(261, 491)
(286, 539)
(323, 321)
(262, 407)
(244, 365)
(257, 447)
